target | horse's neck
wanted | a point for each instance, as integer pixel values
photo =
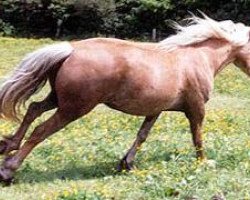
(219, 54)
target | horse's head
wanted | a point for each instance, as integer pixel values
(243, 57)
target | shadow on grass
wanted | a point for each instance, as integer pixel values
(80, 171)
(69, 172)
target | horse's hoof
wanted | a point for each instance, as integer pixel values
(5, 179)
(3, 146)
(124, 165)
(6, 182)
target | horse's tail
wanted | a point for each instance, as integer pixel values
(30, 76)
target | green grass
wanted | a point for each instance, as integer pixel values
(79, 161)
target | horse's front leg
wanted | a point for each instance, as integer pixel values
(127, 162)
(195, 115)
(35, 109)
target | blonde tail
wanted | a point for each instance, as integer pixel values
(30, 75)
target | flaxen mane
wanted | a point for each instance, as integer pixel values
(201, 29)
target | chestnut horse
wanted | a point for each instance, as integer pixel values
(141, 79)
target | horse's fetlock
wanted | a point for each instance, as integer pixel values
(11, 163)
(142, 138)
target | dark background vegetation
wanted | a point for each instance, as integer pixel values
(117, 18)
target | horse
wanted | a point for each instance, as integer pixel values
(137, 78)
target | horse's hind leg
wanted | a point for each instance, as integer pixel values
(127, 161)
(60, 119)
(35, 109)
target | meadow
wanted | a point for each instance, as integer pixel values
(79, 162)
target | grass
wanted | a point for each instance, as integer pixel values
(79, 161)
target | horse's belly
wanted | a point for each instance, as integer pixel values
(145, 107)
